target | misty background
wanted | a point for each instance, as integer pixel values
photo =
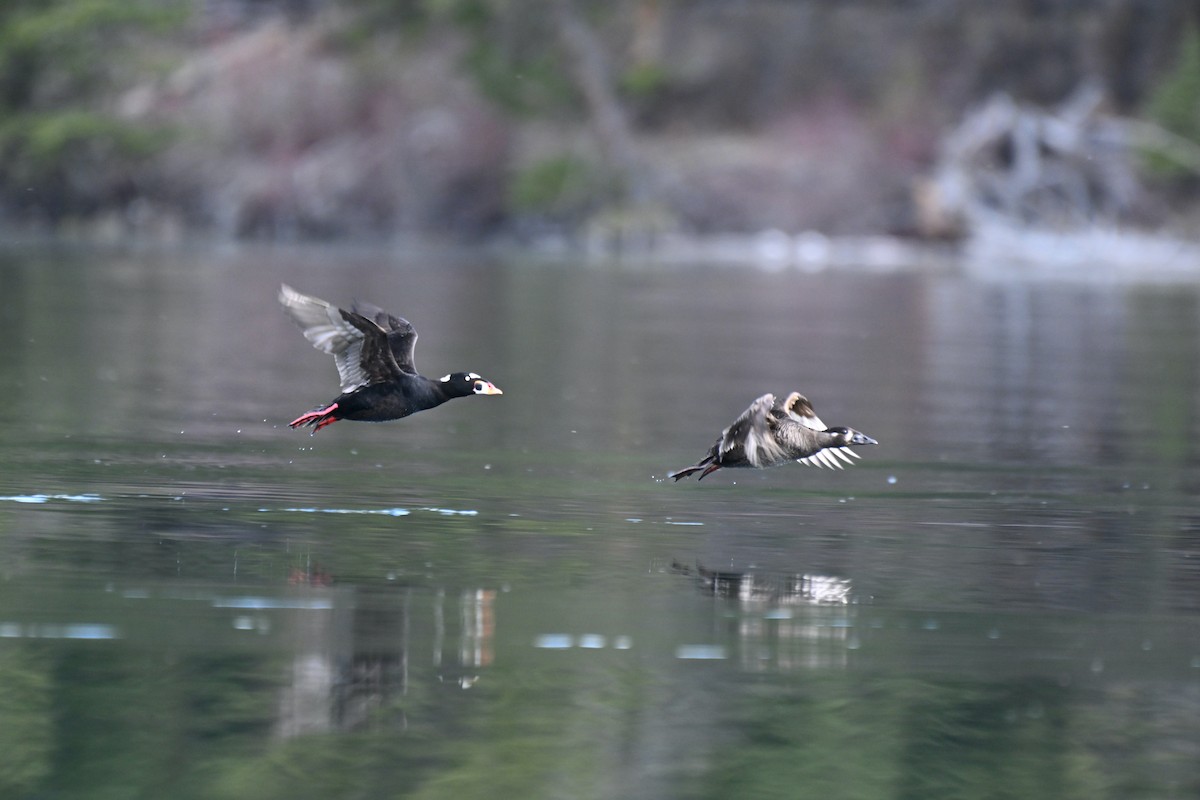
(619, 125)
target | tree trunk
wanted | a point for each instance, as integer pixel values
(589, 65)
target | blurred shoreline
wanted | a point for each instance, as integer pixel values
(645, 129)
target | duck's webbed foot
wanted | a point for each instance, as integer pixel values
(686, 471)
(317, 418)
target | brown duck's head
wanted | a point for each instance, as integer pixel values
(849, 436)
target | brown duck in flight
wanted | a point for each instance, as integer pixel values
(373, 351)
(770, 433)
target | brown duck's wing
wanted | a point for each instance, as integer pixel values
(327, 328)
(797, 408)
(401, 335)
(750, 438)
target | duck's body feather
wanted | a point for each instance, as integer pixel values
(770, 433)
(373, 351)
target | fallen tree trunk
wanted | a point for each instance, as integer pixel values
(1069, 167)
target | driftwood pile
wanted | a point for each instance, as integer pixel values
(1072, 167)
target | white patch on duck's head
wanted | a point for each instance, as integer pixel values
(478, 384)
(483, 386)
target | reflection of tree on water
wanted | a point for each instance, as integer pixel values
(355, 667)
(373, 704)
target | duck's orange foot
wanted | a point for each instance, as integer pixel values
(318, 418)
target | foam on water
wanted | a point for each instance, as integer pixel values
(46, 498)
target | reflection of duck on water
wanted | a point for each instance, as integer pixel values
(785, 589)
(310, 576)
(374, 355)
(770, 433)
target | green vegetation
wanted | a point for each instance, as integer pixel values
(27, 735)
(509, 54)
(350, 118)
(1175, 105)
(554, 186)
(644, 80)
(59, 62)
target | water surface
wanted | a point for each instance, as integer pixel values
(503, 597)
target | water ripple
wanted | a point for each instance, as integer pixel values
(45, 498)
(387, 512)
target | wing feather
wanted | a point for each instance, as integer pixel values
(359, 346)
(798, 409)
(752, 431)
(401, 335)
(840, 452)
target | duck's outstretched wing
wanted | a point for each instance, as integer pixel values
(750, 438)
(359, 347)
(744, 435)
(824, 457)
(797, 408)
(401, 335)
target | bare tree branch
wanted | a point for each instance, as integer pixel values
(589, 64)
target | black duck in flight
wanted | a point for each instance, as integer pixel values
(373, 351)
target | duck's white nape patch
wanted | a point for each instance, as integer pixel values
(472, 376)
(444, 378)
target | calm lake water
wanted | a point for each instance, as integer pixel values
(504, 598)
